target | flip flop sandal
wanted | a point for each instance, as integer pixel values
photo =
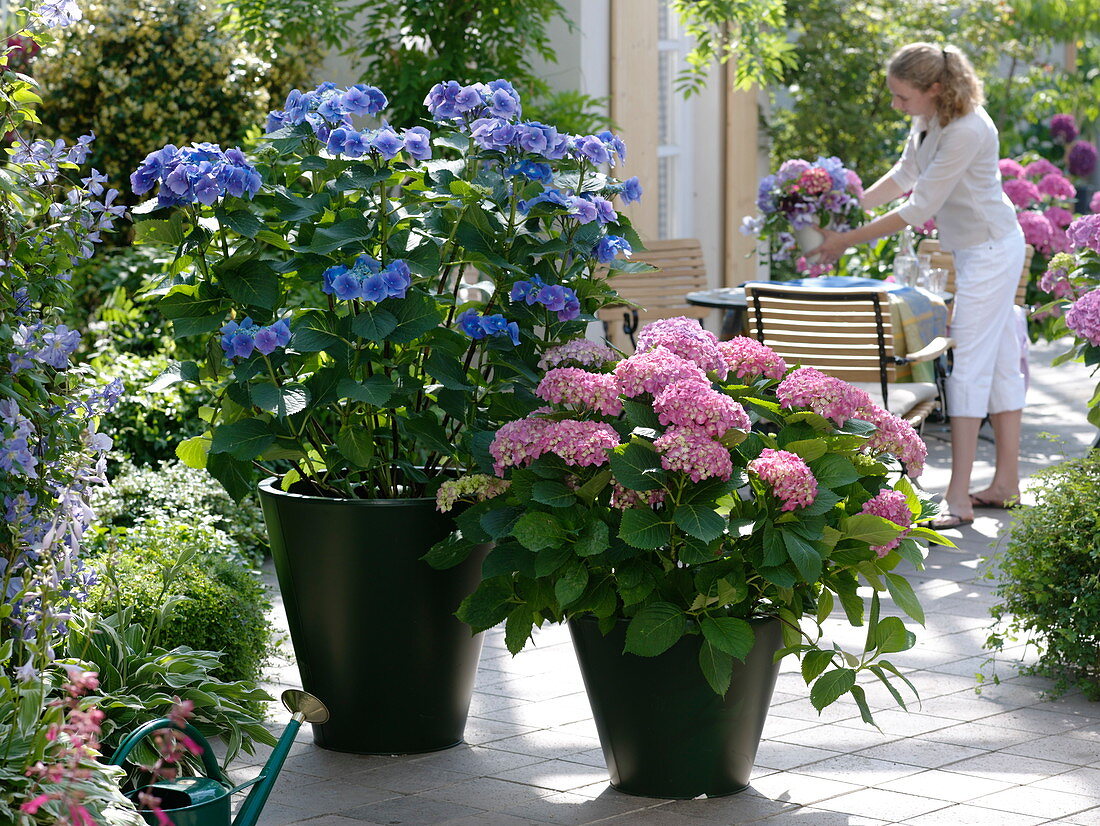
(948, 521)
(1006, 505)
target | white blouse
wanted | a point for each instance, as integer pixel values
(954, 178)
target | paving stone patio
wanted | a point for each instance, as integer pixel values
(1008, 756)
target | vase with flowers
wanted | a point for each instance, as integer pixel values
(372, 301)
(697, 503)
(800, 199)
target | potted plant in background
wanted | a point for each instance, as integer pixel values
(694, 512)
(800, 198)
(373, 301)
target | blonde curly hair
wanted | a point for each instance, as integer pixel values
(923, 64)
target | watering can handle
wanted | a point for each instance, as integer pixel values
(209, 761)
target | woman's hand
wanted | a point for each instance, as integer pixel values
(831, 249)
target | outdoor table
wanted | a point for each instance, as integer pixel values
(919, 315)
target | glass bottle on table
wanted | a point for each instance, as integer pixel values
(906, 264)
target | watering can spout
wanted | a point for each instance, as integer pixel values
(304, 708)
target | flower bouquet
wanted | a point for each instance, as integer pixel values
(688, 490)
(369, 296)
(800, 198)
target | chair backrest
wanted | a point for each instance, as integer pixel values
(843, 333)
(944, 259)
(660, 294)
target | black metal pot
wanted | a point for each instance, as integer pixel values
(664, 731)
(373, 626)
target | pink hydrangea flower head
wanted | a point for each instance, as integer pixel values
(1081, 159)
(1057, 185)
(624, 498)
(1037, 229)
(1010, 168)
(572, 385)
(652, 371)
(1021, 192)
(1063, 128)
(855, 184)
(814, 270)
(1040, 168)
(789, 477)
(684, 337)
(693, 452)
(892, 506)
(895, 436)
(827, 396)
(696, 404)
(1084, 317)
(1059, 217)
(1084, 233)
(928, 227)
(519, 443)
(580, 352)
(815, 181)
(746, 357)
(582, 444)
(1094, 202)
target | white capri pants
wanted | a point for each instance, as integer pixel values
(987, 376)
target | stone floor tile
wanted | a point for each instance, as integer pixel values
(775, 755)
(549, 713)
(480, 730)
(557, 775)
(945, 785)
(1082, 781)
(1030, 800)
(1078, 752)
(776, 726)
(492, 819)
(329, 820)
(802, 789)
(278, 814)
(548, 744)
(734, 808)
(811, 816)
(488, 793)
(900, 723)
(1037, 719)
(928, 754)
(964, 815)
(660, 816)
(1012, 768)
(879, 802)
(572, 809)
(836, 738)
(477, 760)
(592, 757)
(979, 735)
(858, 770)
(411, 810)
(411, 778)
(1090, 817)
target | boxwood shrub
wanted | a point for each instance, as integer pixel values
(1049, 585)
(224, 602)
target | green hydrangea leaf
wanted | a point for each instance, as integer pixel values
(536, 530)
(655, 629)
(717, 667)
(730, 635)
(830, 686)
(644, 528)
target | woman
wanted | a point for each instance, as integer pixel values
(949, 168)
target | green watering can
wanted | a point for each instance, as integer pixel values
(205, 801)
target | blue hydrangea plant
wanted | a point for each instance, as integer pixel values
(376, 300)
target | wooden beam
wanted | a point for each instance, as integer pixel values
(634, 101)
(742, 140)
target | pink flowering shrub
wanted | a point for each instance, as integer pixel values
(1072, 282)
(720, 486)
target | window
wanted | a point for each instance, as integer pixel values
(674, 131)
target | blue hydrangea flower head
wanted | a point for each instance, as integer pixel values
(470, 323)
(418, 143)
(387, 143)
(632, 190)
(610, 246)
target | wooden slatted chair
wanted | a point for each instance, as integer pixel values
(944, 259)
(648, 296)
(848, 334)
